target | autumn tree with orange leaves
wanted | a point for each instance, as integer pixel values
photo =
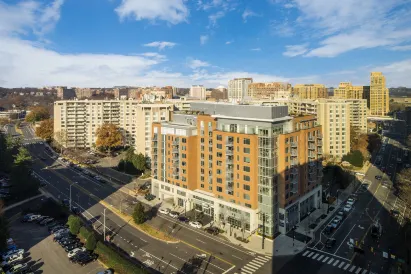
(46, 129)
(109, 137)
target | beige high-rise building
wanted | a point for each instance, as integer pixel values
(79, 120)
(198, 92)
(334, 117)
(347, 91)
(379, 95)
(310, 91)
(238, 88)
(274, 90)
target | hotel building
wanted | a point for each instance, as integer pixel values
(274, 90)
(310, 91)
(244, 165)
(79, 120)
(379, 95)
(238, 89)
(347, 91)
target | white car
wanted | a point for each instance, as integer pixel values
(350, 201)
(336, 222)
(347, 208)
(61, 231)
(173, 214)
(18, 268)
(75, 251)
(14, 258)
(196, 224)
(12, 252)
(164, 210)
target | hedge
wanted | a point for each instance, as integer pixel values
(84, 233)
(114, 260)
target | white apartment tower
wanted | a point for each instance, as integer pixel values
(198, 92)
(238, 88)
(79, 120)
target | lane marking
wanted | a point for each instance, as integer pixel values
(343, 241)
(316, 255)
(319, 258)
(339, 257)
(347, 266)
(251, 267)
(200, 241)
(264, 260)
(352, 268)
(336, 262)
(341, 264)
(330, 261)
(358, 270)
(257, 265)
(309, 255)
(326, 258)
(228, 270)
(237, 257)
(305, 253)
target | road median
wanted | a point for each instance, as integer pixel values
(145, 228)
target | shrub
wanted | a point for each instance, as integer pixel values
(139, 214)
(114, 260)
(355, 158)
(84, 232)
(74, 224)
(91, 242)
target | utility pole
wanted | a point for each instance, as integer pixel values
(262, 239)
(104, 224)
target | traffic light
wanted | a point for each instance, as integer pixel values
(358, 250)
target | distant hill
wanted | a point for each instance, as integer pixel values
(400, 92)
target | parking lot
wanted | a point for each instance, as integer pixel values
(41, 253)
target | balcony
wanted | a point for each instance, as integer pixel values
(311, 139)
(229, 160)
(294, 153)
(311, 147)
(293, 144)
(319, 151)
(319, 143)
(312, 155)
(176, 142)
(319, 136)
(176, 163)
(294, 171)
(294, 164)
(175, 150)
(210, 144)
(229, 152)
(229, 143)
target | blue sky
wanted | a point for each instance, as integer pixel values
(102, 43)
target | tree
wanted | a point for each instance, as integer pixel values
(108, 137)
(139, 214)
(60, 138)
(355, 158)
(91, 242)
(6, 158)
(4, 121)
(37, 114)
(74, 224)
(4, 229)
(140, 162)
(20, 176)
(45, 130)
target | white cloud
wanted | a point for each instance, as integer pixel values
(348, 25)
(160, 45)
(195, 64)
(29, 16)
(295, 50)
(248, 13)
(229, 42)
(172, 11)
(256, 49)
(225, 5)
(283, 28)
(203, 39)
(397, 73)
(213, 18)
(401, 48)
(154, 55)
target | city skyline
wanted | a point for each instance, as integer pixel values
(184, 43)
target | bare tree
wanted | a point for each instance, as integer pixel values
(61, 138)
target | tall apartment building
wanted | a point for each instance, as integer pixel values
(65, 93)
(234, 163)
(379, 95)
(79, 120)
(346, 90)
(198, 92)
(334, 117)
(238, 88)
(84, 92)
(310, 91)
(274, 90)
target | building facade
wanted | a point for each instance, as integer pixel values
(79, 120)
(238, 89)
(198, 92)
(310, 91)
(346, 90)
(274, 90)
(334, 117)
(225, 160)
(379, 95)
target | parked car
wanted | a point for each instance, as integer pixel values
(328, 229)
(394, 213)
(19, 268)
(378, 177)
(75, 210)
(26, 217)
(350, 201)
(32, 218)
(75, 251)
(78, 256)
(212, 230)
(46, 221)
(335, 222)
(149, 197)
(347, 208)
(330, 242)
(72, 246)
(68, 241)
(14, 258)
(183, 219)
(56, 228)
(107, 271)
(164, 210)
(196, 224)
(40, 219)
(10, 253)
(173, 214)
(86, 259)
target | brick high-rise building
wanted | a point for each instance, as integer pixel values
(347, 91)
(310, 91)
(248, 166)
(274, 90)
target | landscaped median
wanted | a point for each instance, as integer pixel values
(145, 228)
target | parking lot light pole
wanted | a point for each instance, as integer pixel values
(104, 224)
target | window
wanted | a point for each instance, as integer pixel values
(219, 137)
(246, 196)
(219, 189)
(248, 205)
(286, 150)
(247, 160)
(219, 146)
(218, 171)
(184, 156)
(219, 154)
(246, 178)
(246, 168)
(247, 187)
(246, 150)
(246, 141)
(219, 180)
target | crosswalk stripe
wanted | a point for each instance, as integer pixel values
(347, 266)
(306, 252)
(309, 255)
(341, 264)
(250, 267)
(364, 272)
(336, 262)
(352, 268)
(246, 271)
(358, 270)
(255, 264)
(315, 256)
(326, 258)
(319, 258)
(330, 261)
(263, 259)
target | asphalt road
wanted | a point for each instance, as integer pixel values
(223, 257)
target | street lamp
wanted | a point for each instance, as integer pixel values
(70, 192)
(104, 223)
